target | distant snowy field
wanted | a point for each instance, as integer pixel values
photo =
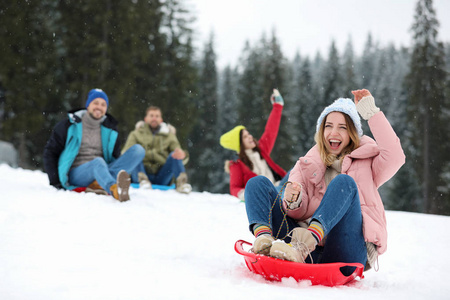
(164, 245)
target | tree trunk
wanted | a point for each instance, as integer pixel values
(426, 163)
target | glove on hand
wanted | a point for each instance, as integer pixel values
(293, 195)
(276, 97)
(367, 108)
(365, 104)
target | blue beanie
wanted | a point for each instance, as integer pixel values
(94, 94)
(346, 106)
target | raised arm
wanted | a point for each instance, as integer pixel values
(391, 156)
(267, 140)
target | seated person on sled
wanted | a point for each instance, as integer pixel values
(164, 159)
(254, 156)
(332, 191)
(84, 151)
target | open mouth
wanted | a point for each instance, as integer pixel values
(334, 144)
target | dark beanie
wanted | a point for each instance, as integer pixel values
(94, 94)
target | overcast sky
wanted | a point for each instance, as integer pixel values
(307, 26)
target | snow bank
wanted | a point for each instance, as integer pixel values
(165, 245)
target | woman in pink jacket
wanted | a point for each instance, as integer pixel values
(331, 210)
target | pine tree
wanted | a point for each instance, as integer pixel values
(274, 68)
(390, 92)
(226, 120)
(52, 53)
(305, 111)
(140, 53)
(177, 88)
(251, 90)
(27, 76)
(349, 72)
(86, 50)
(275, 71)
(427, 104)
(444, 187)
(333, 78)
(132, 65)
(447, 57)
(367, 65)
(369, 68)
(317, 64)
(227, 117)
(292, 115)
(400, 192)
(205, 147)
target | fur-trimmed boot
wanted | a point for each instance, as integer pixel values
(182, 186)
(144, 182)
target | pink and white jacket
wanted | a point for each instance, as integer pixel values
(373, 163)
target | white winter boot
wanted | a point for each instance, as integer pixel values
(302, 244)
(262, 244)
(181, 184)
(144, 182)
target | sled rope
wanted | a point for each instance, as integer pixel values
(284, 221)
(302, 247)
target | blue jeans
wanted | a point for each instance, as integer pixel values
(339, 213)
(171, 169)
(106, 174)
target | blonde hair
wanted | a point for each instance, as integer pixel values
(329, 158)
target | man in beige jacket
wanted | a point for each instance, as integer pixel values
(164, 159)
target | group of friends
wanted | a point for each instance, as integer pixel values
(325, 209)
(84, 151)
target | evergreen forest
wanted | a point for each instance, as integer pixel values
(142, 53)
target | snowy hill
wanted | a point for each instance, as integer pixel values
(164, 245)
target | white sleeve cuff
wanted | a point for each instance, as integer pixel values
(366, 107)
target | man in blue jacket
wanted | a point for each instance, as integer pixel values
(84, 151)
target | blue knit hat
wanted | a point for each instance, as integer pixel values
(346, 106)
(94, 94)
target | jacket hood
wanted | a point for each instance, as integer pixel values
(367, 148)
(164, 128)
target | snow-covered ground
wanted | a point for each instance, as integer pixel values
(164, 245)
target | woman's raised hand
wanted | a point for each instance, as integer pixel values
(276, 97)
(359, 94)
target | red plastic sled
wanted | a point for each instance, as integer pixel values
(274, 269)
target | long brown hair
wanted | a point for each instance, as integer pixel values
(242, 155)
(329, 158)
